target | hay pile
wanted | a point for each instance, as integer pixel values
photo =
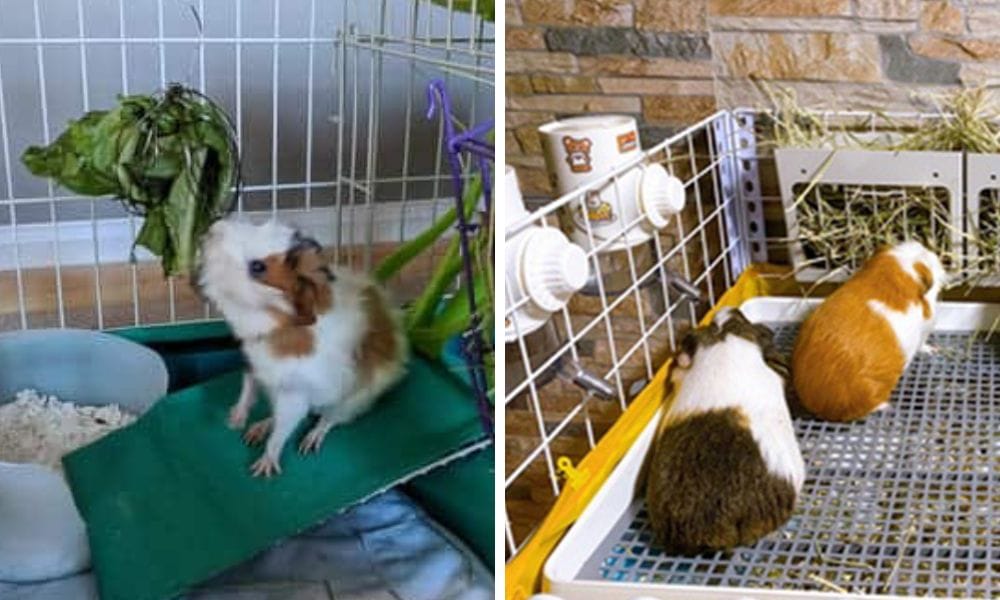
(841, 225)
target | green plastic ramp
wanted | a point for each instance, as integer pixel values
(460, 496)
(169, 501)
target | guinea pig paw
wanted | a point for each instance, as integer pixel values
(266, 466)
(313, 440)
(237, 418)
(258, 432)
(930, 349)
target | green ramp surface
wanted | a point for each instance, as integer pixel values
(169, 501)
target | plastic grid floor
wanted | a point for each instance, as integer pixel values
(905, 502)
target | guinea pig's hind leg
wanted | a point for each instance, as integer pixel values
(312, 440)
(335, 414)
(248, 396)
(289, 410)
(258, 431)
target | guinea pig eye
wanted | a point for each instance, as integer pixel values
(257, 268)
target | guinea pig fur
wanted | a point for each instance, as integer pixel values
(319, 340)
(852, 350)
(725, 467)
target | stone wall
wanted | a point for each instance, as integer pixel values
(669, 62)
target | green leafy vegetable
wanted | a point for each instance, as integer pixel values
(170, 158)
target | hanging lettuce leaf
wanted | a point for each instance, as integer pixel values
(154, 235)
(69, 159)
(170, 158)
(181, 208)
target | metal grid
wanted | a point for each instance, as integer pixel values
(906, 502)
(329, 101)
(625, 323)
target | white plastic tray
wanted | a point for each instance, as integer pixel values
(615, 501)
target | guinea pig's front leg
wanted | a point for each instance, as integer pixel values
(248, 396)
(288, 409)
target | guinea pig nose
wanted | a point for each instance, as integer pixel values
(257, 268)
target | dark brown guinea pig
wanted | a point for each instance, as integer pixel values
(725, 467)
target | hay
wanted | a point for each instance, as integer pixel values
(966, 120)
(840, 226)
(984, 236)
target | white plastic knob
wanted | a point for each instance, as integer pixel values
(661, 195)
(554, 269)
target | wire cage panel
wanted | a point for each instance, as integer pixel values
(903, 503)
(328, 99)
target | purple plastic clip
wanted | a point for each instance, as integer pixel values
(482, 152)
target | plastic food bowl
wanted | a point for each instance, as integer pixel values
(47, 537)
(83, 367)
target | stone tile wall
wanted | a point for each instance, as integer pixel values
(670, 62)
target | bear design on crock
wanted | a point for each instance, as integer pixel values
(578, 154)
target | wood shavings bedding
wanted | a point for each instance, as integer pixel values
(40, 429)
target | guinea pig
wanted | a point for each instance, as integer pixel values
(851, 352)
(725, 468)
(318, 339)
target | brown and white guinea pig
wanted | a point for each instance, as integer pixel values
(318, 340)
(725, 467)
(851, 351)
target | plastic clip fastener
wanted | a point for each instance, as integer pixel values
(574, 477)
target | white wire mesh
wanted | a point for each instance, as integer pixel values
(328, 98)
(625, 322)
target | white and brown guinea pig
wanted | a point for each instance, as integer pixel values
(319, 340)
(725, 468)
(852, 350)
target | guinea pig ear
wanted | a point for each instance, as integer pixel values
(304, 296)
(736, 317)
(777, 361)
(310, 293)
(924, 276)
(301, 247)
(685, 352)
(307, 258)
(764, 333)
